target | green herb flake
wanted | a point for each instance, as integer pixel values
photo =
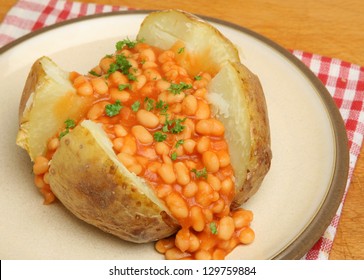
(162, 106)
(198, 78)
(124, 86)
(177, 126)
(181, 50)
(113, 109)
(159, 136)
(174, 156)
(132, 77)
(178, 88)
(179, 143)
(213, 228)
(200, 173)
(126, 42)
(69, 124)
(149, 104)
(135, 107)
(93, 73)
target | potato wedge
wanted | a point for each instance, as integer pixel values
(93, 184)
(247, 126)
(48, 99)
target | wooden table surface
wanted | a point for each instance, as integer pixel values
(331, 28)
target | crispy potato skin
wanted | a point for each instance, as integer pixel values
(260, 153)
(89, 184)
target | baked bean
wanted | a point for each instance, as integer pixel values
(105, 64)
(224, 158)
(129, 146)
(163, 85)
(163, 190)
(203, 110)
(139, 83)
(166, 173)
(142, 134)
(126, 159)
(135, 168)
(121, 95)
(176, 108)
(85, 89)
(189, 105)
(46, 178)
(177, 205)
(210, 161)
(214, 182)
(152, 74)
(39, 182)
(118, 143)
(120, 131)
(211, 127)
(189, 146)
(227, 186)
(247, 236)
(97, 110)
(203, 144)
(99, 86)
(53, 144)
(162, 148)
(79, 80)
(203, 255)
(147, 119)
(200, 93)
(205, 194)
(218, 206)
(149, 64)
(163, 245)
(175, 98)
(175, 254)
(190, 189)
(218, 254)
(209, 216)
(154, 166)
(197, 218)
(182, 173)
(147, 55)
(194, 243)
(166, 56)
(41, 165)
(226, 228)
(200, 83)
(182, 240)
(171, 74)
(242, 218)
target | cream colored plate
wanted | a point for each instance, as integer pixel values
(299, 195)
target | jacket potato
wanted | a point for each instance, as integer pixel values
(156, 193)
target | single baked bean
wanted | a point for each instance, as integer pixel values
(242, 218)
(182, 240)
(166, 173)
(214, 182)
(224, 158)
(139, 83)
(197, 218)
(142, 134)
(152, 74)
(121, 95)
(210, 161)
(203, 110)
(163, 190)
(175, 254)
(85, 89)
(205, 194)
(166, 56)
(99, 85)
(246, 236)
(129, 146)
(163, 245)
(118, 143)
(162, 148)
(120, 131)
(189, 146)
(40, 165)
(219, 254)
(147, 119)
(227, 186)
(203, 144)
(135, 168)
(189, 105)
(190, 189)
(163, 85)
(126, 159)
(182, 173)
(147, 55)
(218, 206)
(177, 205)
(53, 144)
(105, 63)
(39, 182)
(203, 255)
(194, 243)
(226, 228)
(149, 64)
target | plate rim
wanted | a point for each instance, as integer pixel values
(304, 241)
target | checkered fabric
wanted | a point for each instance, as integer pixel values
(344, 81)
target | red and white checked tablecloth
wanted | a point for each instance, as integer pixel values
(344, 81)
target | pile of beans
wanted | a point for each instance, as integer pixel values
(160, 123)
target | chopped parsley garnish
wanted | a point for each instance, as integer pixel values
(213, 228)
(200, 173)
(69, 124)
(174, 156)
(177, 88)
(132, 77)
(113, 109)
(159, 136)
(124, 86)
(162, 106)
(179, 143)
(149, 106)
(126, 42)
(135, 107)
(173, 126)
(121, 64)
(198, 78)
(181, 50)
(93, 73)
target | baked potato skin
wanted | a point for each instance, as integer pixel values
(260, 154)
(90, 185)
